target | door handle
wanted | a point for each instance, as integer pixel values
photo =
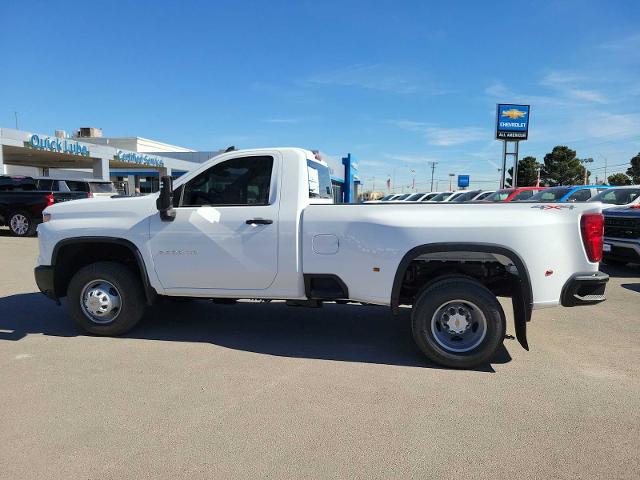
(259, 221)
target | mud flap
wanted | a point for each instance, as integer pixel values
(521, 315)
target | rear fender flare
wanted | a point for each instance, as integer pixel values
(522, 299)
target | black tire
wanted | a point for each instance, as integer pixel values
(429, 302)
(130, 293)
(31, 225)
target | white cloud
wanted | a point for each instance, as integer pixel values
(612, 126)
(282, 120)
(376, 77)
(442, 136)
(454, 136)
(409, 158)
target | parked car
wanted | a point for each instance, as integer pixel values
(416, 197)
(578, 193)
(400, 198)
(472, 195)
(622, 235)
(93, 187)
(257, 224)
(428, 196)
(619, 196)
(22, 200)
(439, 197)
(388, 198)
(513, 194)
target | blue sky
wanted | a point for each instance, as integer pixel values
(397, 84)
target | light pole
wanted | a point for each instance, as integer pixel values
(413, 183)
(451, 175)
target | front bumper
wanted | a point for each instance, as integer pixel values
(584, 289)
(45, 281)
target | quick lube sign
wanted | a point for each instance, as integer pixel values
(58, 145)
(139, 158)
(512, 121)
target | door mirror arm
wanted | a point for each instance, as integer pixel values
(164, 203)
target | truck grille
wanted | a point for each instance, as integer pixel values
(618, 227)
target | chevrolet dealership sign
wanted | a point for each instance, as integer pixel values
(512, 121)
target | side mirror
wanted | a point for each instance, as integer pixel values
(164, 203)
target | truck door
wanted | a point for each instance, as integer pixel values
(225, 233)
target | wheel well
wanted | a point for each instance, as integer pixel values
(499, 269)
(69, 257)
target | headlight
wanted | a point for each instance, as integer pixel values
(46, 217)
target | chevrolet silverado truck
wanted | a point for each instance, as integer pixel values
(261, 224)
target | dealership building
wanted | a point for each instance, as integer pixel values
(133, 164)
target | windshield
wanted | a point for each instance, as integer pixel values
(550, 194)
(441, 196)
(402, 197)
(414, 197)
(500, 195)
(484, 195)
(387, 197)
(319, 180)
(466, 196)
(102, 187)
(429, 196)
(617, 196)
(455, 196)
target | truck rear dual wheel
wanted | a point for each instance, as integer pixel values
(21, 224)
(458, 323)
(106, 298)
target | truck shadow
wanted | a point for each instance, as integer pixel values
(349, 333)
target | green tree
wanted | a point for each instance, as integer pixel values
(619, 179)
(562, 167)
(527, 172)
(634, 170)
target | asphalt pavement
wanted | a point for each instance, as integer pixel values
(257, 390)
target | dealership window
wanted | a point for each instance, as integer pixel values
(240, 181)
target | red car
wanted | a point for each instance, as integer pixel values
(513, 194)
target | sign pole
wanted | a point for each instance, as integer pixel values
(514, 181)
(504, 164)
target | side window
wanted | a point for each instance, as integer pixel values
(44, 184)
(580, 196)
(76, 186)
(523, 195)
(239, 181)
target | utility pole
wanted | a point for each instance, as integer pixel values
(451, 175)
(433, 168)
(538, 180)
(584, 164)
(16, 115)
(413, 183)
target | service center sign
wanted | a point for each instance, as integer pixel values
(512, 121)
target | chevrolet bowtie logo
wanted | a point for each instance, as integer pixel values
(513, 114)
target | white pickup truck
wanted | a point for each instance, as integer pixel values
(261, 224)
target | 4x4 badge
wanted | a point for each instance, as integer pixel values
(553, 207)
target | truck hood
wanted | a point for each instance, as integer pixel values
(104, 207)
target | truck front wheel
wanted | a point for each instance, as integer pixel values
(105, 298)
(458, 323)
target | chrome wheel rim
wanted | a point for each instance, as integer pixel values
(458, 326)
(101, 301)
(19, 224)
